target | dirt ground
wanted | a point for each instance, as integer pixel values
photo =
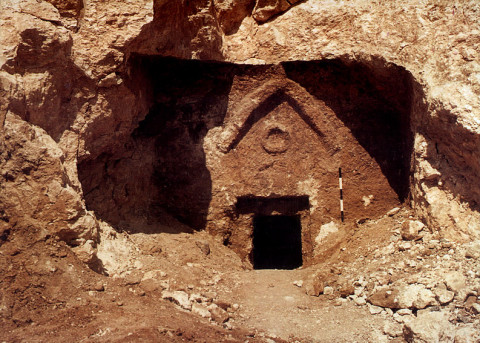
(49, 295)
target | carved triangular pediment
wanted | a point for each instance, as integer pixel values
(262, 101)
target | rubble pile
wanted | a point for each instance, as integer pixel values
(428, 285)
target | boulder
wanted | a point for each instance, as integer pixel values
(415, 296)
(429, 327)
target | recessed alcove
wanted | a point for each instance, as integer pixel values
(373, 103)
(222, 146)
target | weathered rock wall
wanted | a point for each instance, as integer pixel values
(438, 43)
(67, 96)
(41, 95)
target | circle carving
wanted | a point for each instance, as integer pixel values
(276, 140)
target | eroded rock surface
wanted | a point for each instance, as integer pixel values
(100, 128)
(50, 76)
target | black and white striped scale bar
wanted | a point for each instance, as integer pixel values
(341, 193)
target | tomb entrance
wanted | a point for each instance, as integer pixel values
(238, 149)
(277, 242)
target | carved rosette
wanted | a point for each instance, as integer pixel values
(276, 140)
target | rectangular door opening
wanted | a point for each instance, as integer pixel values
(277, 242)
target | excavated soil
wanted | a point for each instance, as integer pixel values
(49, 295)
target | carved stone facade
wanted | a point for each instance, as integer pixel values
(278, 153)
(227, 147)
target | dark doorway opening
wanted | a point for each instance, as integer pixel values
(277, 242)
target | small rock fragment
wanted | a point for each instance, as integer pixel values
(374, 309)
(470, 303)
(455, 281)
(150, 285)
(223, 305)
(133, 278)
(392, 329)
(393, 211)
(410, 229)
(443, 295)
(298, 283)
(201, 310)
(218, 315)
(403, 246)
(87, 252)
(328, 290)
(398, 318)
(204, 247)
(385, 298)
(346, 288)
(472, 250)
(99, 287)
(475, 309)
(404, 312)
(360, 301)
(178, 297)
(314, 287)
(110, 80)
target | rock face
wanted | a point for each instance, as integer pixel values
(94, 116)
(36, 191)
(231, 13)
(265, 9)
